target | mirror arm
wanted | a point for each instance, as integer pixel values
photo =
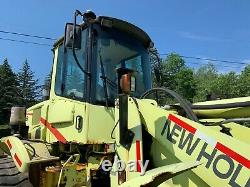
(77, 13)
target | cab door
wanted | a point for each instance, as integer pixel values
(68, 92)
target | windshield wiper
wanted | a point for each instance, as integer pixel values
(110, 82)
(104, 78)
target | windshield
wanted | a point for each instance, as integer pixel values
(114, 50)
(111, 48)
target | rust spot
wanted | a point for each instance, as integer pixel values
(80, 167)
(121, 177)
(53, 169)
(94, 142)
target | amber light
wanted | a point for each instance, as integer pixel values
(125, 83)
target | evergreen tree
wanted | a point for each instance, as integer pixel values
(8, 91)
(28, 85)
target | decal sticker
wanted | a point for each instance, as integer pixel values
(187, 138)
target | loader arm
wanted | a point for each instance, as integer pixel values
(226, 160)
(131, 147)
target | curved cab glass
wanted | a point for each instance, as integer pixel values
(111, 48)
(114, 50)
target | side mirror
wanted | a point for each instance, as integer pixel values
(69, 40)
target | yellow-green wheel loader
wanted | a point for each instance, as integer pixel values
(104, 125)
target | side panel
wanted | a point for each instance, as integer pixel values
(61, 114)
(33, 118)
(62, 121)
(58, 118)
(101, 121)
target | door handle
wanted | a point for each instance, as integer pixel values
(79, 123)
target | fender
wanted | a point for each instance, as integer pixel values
(25, 153)
(18, 151)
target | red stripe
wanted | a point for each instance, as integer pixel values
(181, 123)
(53, 130)
(229, 152)
(17, 160)
(138, 154)
(29, 114)
(9, 144)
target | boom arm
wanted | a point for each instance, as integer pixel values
(225, 159)
(177, 139)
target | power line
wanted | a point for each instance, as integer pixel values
(27, 35)
(220, 65)
(53, 39)
(26, 42)
(210, 59)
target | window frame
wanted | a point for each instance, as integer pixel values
(64, 69)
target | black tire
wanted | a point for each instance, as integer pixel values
(10, 176)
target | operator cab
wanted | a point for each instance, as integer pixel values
(107, 44)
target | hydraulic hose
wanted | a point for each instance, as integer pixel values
(183, 103)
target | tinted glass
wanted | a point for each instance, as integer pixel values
(70, 80)
(115, 49)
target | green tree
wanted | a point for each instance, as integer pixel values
(205, 78)
(171, 66)
(156, 62)
(226, 85)
(9, 92)
(244, 79)
(185, 84)
(178, 77)
(28, 85)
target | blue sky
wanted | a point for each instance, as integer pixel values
(210, 29)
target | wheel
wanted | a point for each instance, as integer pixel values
(10, 176)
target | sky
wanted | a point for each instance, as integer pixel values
(207, 29)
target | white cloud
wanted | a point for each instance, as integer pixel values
(192, 36)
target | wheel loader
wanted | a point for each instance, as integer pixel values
(104, 125)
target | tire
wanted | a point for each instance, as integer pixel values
(10, 176)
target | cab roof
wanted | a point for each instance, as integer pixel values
(122, 26)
